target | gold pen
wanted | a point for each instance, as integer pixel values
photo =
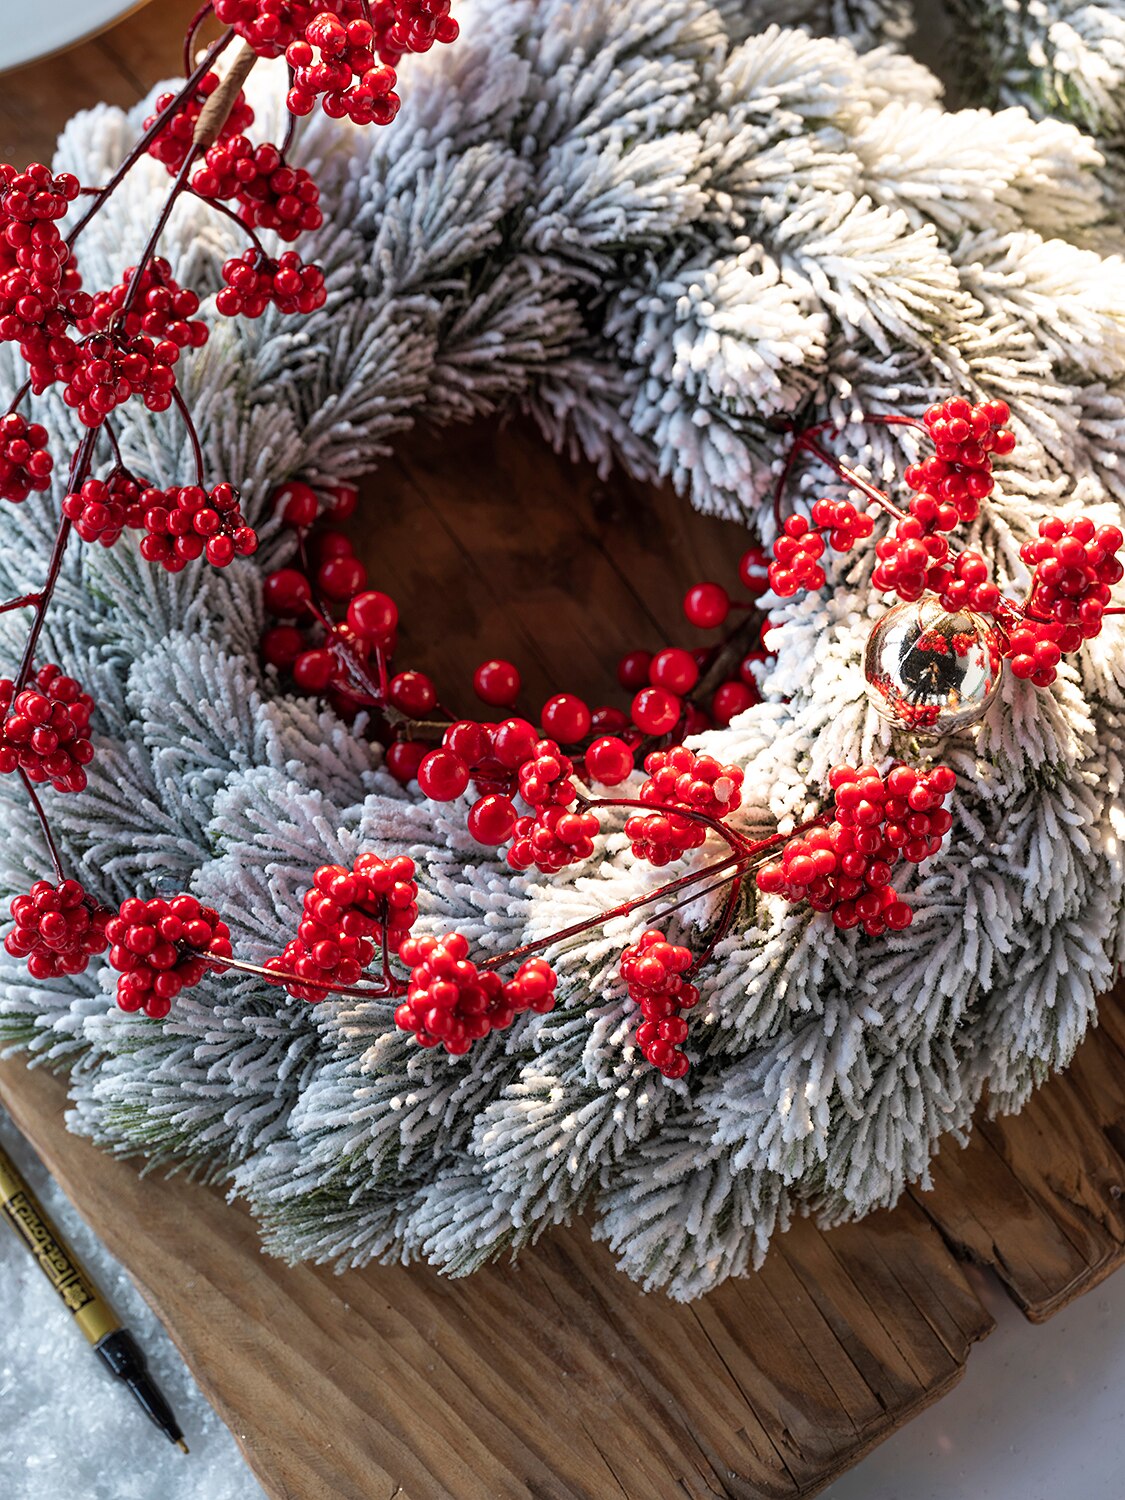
(114, 1345)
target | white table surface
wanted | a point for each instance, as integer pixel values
(1039, 1415)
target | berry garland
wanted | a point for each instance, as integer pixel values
(393, 936)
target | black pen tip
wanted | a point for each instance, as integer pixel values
(182, 1446)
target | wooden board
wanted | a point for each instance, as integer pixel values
(558, 1380)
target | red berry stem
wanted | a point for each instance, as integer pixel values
(805, 441)
(736, 842)
(25, 601)
(220, 964)
(193, 437)
(193, 29)
(247, 229)
(339, 646)
(849, 476)
(48, 836)
(160, 119)
(19, 397)
(730, 867)
(79, 469)
(136, 281)
(722, 926)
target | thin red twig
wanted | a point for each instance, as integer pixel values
(52, 848)
(230, 213)
(193, 435)
(189, 36)
(147, 253)
(79, 469)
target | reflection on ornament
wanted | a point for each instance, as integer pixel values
(932, 671)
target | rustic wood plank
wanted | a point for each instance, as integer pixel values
(1038, 1196)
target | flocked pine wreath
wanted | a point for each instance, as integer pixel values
(659, 226)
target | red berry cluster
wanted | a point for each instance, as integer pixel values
(270, 194)
(57, 929)
(25, 464)
(335, 61)
(269, 25)
(255, 282)
(450, 1002)
(103, 508)
(1075, 564)
(411, 26)
(346, 914)
(551, 839)
(795, 564)
(45, 344)
(844, 524)
(158, 947)
(681, 779)
(661, 682)
(846, 867)
(949, 488)
(340, 663)
(159, 307)
(46, 729)
(908, 557)
(112, 368)
(31, 202)
(174, 141)
(184, 523)
(653, 970)
(959, 475)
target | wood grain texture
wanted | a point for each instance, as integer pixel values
(557, 1379)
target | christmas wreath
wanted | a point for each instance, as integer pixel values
(765, 263)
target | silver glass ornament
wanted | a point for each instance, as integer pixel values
(932, 671)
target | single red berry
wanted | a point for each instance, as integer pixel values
(374, 616)
(609, 761)
(412, 693)
(656, 711)
(443, 776)
(731, 699)
(492, 820)
(403, 759)
(468, 740)
(296, 504)
(314, 670)
(674, 669)
(706, 605)
(341, 577)
(497, 683)
(633, 668)
(514, 743)
(754, 571)
(566, 718)
(281, 645)
(287, 593)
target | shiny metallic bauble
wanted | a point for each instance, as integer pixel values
(932, 671)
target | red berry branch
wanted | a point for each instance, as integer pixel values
(528, 782)
(1073, 565)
